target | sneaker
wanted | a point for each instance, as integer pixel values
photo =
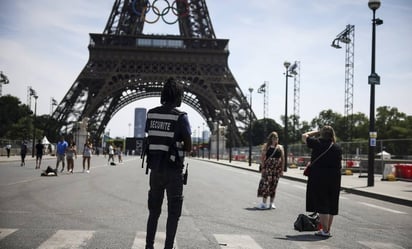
(322, 233)
(71, 171)
(262, 206)
(88, 171)
(273, 206)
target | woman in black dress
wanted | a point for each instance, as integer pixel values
(324, 180)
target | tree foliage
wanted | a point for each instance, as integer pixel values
(17, 123)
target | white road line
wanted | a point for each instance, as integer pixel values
(311, 244)
(67, 239)
(140, 240)
(235, 241)
(380, 245)
(382, 208)
(5, 232)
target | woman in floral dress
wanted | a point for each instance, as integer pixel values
(272, 164)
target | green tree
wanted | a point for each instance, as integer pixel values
(360, 126)
(334, 119)
(390, 123)
(11, 111)
(260, 130)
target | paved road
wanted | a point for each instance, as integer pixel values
(107, 209)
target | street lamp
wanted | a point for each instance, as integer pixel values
(3, 80)
(198, 142)
(53, 102)
(34, 94)
(217, 140)
(203, 140)
(290, 69)
(373, 80)
(250, 127)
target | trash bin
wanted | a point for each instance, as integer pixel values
(398, 171)
(407, 171)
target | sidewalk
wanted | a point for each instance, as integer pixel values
(399, 192)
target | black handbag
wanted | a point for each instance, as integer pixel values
(307, 222)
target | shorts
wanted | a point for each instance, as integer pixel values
(60, 157)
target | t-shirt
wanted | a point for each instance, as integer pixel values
(39, 149)
(61, 147)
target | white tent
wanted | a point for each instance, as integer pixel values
(45, 141)
(384, 155)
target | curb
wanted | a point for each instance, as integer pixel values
(346, 189)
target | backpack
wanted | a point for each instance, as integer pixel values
(307, 222)
(49, 172)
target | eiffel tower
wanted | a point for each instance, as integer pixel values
(126, 65)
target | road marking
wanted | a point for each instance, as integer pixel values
(382, 208)
(236, 241)
(6, 232)
(18, 182)
(380, 245)
(312, 244)
(140, 240)
(67, 239)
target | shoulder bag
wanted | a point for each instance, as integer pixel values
(306, 172)
(273, 153)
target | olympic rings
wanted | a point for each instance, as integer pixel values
(143, 7)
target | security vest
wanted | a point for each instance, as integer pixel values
(161, 125)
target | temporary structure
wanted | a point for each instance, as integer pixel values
(384, 155)
(45, 141)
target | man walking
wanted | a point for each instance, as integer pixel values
(61, 152)
(39, 153)
(168, 137)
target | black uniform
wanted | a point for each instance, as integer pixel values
(166, 128)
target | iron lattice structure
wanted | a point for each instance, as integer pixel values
(126, 65)
(296, 100)
(347, 36)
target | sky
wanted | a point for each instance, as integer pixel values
(43, 44)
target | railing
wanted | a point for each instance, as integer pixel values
(355, 154)
(153, 41)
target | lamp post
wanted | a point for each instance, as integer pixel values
(3, 80)
(198, 142)
(285, 139)
(373, 80)
(289, 69)
(217, 140)
(250, 128)
(203, 140)
(34, 121)
(53, 103)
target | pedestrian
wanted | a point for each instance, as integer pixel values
(61, 152)
(23, 152)
(324, 179)
(111, 153)
(71, 154)
(168, 137)
(272, 164)
(39, 153)
(119, 154)
(87, 154)
(8, 148)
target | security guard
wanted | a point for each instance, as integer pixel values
(168, 137)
